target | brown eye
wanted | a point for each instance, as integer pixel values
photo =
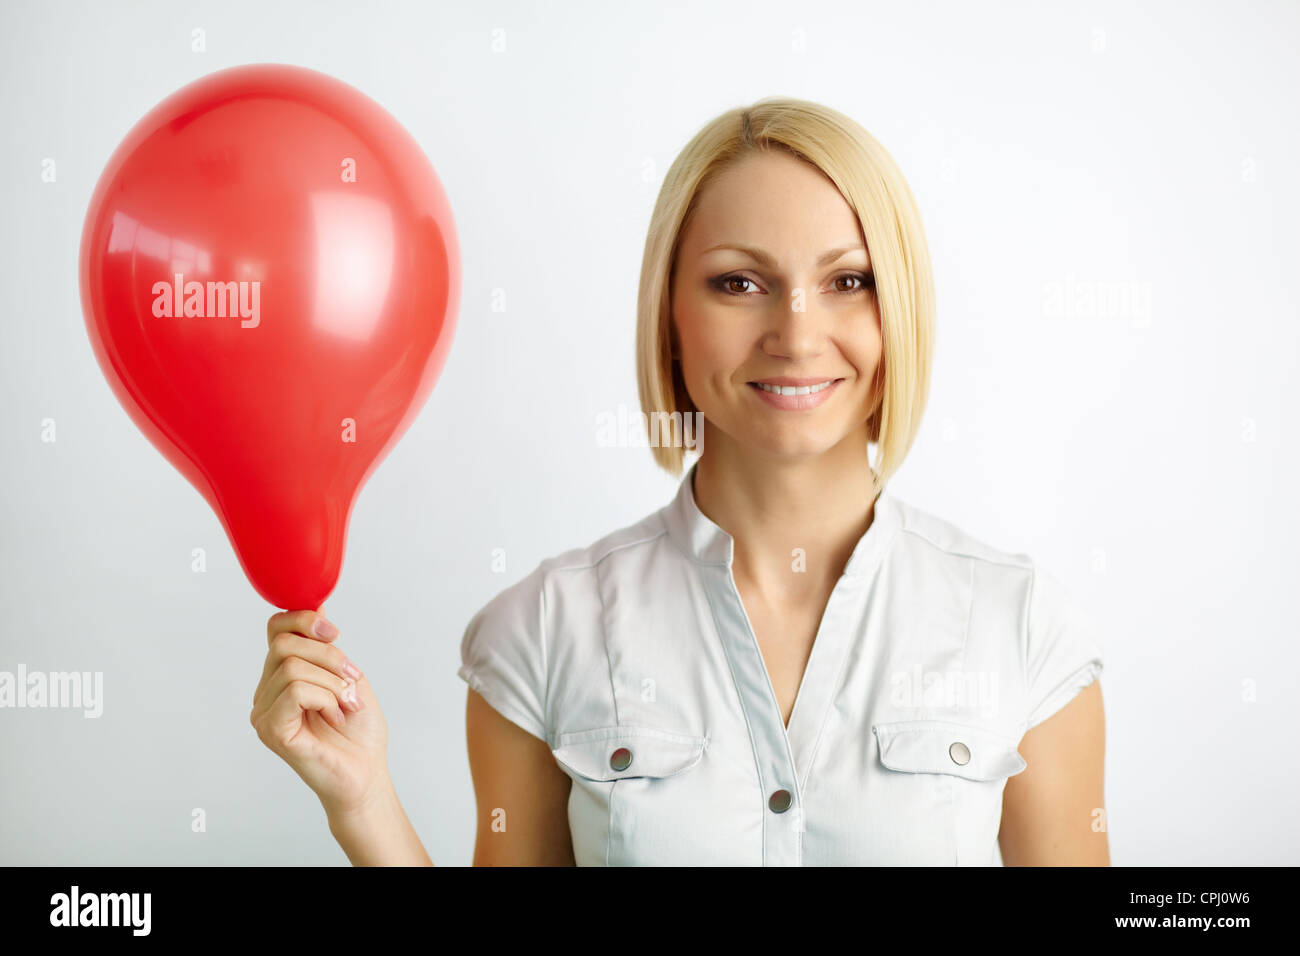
(865, 281)
(728, 282)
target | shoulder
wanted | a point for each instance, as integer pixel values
(508, 650)
(1014, 583)
(1039, 596)
(923, 533)
(1002, 593)
(614, 547)
(524, 603)
(512, 647)
(962, 581)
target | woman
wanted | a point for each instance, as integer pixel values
(785, 665)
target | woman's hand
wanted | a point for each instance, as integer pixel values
(316, 710)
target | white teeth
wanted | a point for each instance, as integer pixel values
(794, 389)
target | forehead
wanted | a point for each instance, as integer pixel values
(774, 200)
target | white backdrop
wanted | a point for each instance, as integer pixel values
(1111, 201)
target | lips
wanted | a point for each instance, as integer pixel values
(784, 388)
(794, 394)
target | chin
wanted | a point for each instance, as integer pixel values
(794, 445)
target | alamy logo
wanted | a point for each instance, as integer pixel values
(58, 689)
(659, 429)
(211, 300)
(102, 909)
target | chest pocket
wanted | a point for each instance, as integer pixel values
(945, 780)
(618, 753)
(941, 746)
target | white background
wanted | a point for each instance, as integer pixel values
(1142, 457)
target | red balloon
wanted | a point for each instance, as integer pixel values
(270, 277)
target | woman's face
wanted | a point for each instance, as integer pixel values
(797, 309)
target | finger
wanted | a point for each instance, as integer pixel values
(307, 623)
(329, 656)
(328, 725)
(283, 718)
(295, 669)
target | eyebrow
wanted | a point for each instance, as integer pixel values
(826, 258)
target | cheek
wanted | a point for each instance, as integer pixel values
(709, 357)
(866, 348)
(707, 354)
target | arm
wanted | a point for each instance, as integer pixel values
(1048, 809)
(314, 709)
(381, 834)
(522, 797)
(521, 792)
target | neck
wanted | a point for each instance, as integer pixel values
(820, 505)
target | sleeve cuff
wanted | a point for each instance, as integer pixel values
(500, 703)
(1065, 692)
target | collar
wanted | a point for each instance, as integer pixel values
(704, 542)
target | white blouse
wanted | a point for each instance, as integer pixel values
(635, 661)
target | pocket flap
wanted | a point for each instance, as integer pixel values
(941, 746)
(614, 753)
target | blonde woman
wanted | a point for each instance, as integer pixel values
(786, 664)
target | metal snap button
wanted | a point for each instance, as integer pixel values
(959, 753)
(779, 802)
(621, 759)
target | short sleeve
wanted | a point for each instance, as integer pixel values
(503, 654)
(1063, 647)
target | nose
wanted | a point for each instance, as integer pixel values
(797, 329)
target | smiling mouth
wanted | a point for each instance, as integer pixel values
(795, 395)
(801, 389)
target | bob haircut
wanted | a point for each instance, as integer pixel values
(872, 184)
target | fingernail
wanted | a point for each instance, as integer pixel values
(324, 629)
(350, 694)
(350, 669)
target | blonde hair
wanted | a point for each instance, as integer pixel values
(874, 187)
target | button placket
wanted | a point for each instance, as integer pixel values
(774, 761)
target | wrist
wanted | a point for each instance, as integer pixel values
(377, 832)
(376, 806)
